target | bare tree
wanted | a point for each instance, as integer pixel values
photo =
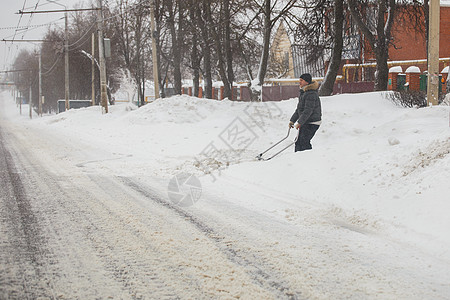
(133, 39)
(206, 44)
(375, 20)
(270, 13)
(26, 65)
(175, 23)
(228, 48)
(220, 55)
(195, 55)
(327, 86)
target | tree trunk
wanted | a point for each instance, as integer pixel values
(266, 40)
(162, 92)
(326, 89)
(256, 91)
(382, 70)
(176, 42)
(206, 51)
(426, 11)
(228, 51)
(220, 56)
(380, 42)
(195, 60)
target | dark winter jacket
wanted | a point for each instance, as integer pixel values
(308, 108)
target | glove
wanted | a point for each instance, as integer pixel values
(291, 124)
(297, 126)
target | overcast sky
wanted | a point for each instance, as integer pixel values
(13, 26)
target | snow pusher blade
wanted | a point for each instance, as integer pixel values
(259, 157)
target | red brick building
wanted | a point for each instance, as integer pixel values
(409, 46)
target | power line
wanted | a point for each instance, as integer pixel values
(37, 26)
(31, 17)
(53, 66)
(28, 26)
(83, 36)
(28, 41)
(15, 32)
(21, 12)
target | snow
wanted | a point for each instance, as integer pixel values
(375, 167)
(396, 69)
(413, 69)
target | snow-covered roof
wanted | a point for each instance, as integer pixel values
(413, 69)
(396, 69)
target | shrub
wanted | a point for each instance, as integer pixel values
(408, 98)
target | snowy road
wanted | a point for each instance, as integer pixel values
(69, 235)
(72, 229)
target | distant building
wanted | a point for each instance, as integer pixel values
(281, 60)
(289, 60)
(408, 48)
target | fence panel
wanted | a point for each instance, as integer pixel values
(353, 87)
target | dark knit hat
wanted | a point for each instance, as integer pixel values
(306, 77)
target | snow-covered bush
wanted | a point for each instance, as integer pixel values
(408, 98)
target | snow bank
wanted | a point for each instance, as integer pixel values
(381, 167)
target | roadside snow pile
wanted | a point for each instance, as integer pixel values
(181, 109)
(369, 158)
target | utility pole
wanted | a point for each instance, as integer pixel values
(30, 101)
(40, 83)
(433, 53)
(15, 92)
(101, 54)
(66, 40)
(66, 61)
(66, 48)
(154, 49)
(93, 69)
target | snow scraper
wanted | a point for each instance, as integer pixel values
(259, 157)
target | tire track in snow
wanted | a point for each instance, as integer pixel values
(57, 247)
(102, 244)
(23, 249)
(257, 272)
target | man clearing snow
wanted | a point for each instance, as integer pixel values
(308, 114)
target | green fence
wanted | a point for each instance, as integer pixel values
(424, 82)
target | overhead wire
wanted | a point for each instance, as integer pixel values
(20, 19)
(75, 45)
(15, 32)
(53, 66)
(105, 19)
(27, 26)
(24, 28)
(82, 37)
(32, 27)
(31, 17)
